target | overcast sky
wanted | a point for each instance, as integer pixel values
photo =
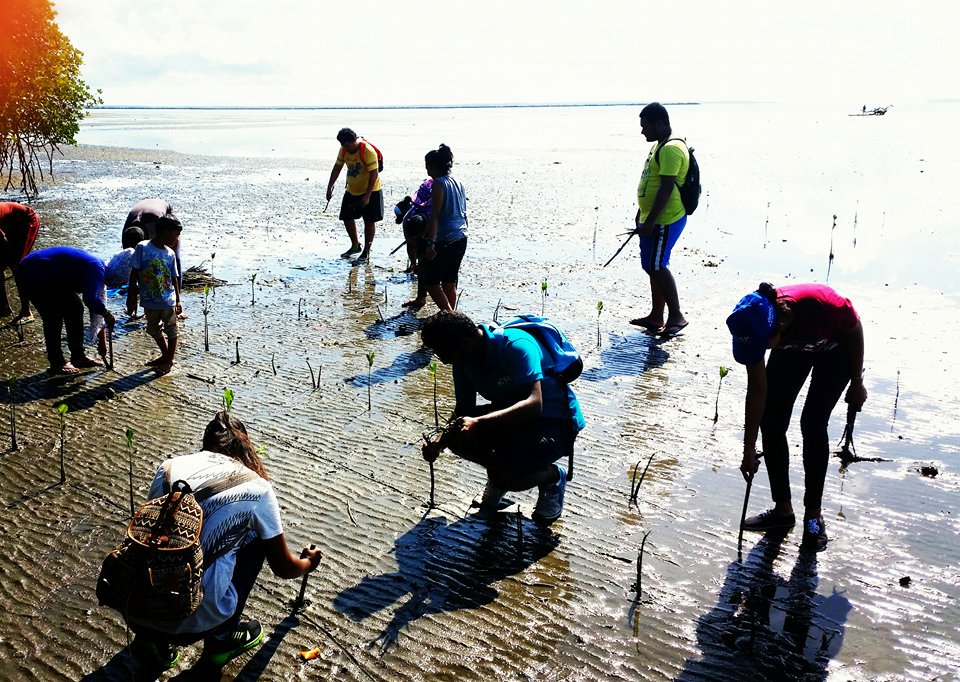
(319, 53)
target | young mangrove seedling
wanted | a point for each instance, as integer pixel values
(716, 407)
(496, 311)
(212, 256)
(262, 451)
(273, 363)
(62, 411)
(128, 436)
(206, 311)
(635, 484)
(519, 518)
(543, 296)
(436, 413)
(599, 310)
(456, 304)
(313, 379)
(227, 399)
(386, 297)
(253, 293)
(20, 330)
(370, 356)
(11, 389)
(830, 260)
(237, 361)
(300, 302)
(639, 584)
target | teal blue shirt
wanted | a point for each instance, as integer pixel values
(512, 362)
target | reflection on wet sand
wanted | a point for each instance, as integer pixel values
(767, 627)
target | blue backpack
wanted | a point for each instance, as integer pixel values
(560, 359)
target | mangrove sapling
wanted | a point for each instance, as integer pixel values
(436, 413)
(599, 310)
(635, 484)
(273, 363)
(386, 297)
(212, 256)
(830, 260)
(519, 535)
(253, 293)
(227, 399)
(313, 379)
(237, 361)
(380, 313)
(432, 486)
(496, 311)
(716, 407)
(11, 388)
(543, 296)
(300, 302)
(456, 304)
(206, 311)
(128, 436)
(62, 411)
(743, 513)
(20, 330)
(639, 584)
(370, 356)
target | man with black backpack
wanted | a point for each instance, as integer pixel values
(523, 368)
(668, 191)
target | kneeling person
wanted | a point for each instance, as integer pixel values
(531, 422)
(241, 527)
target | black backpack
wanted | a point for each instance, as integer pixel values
(690, 189)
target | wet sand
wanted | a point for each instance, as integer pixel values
(407, 593)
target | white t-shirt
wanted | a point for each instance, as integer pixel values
(118, 268)
(247, 510)
(158, 270)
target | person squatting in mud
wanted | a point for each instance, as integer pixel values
(241, 528)
(812, 331)
(532, 419)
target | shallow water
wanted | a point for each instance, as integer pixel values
(406, 594)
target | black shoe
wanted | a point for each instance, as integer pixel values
(155, 655)
(222, 649)
(769, 520)
(814, 534)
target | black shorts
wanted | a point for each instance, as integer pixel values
(529, 447)
(351, 208)
(445, 266)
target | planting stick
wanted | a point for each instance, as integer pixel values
(432, 486)
(273, 363)
(238, 350)
(110, 344)
(743, 514)
(620, 249)
(519, 534)
(313, 380)
(297, 605)
(399, 247)
(380, 313)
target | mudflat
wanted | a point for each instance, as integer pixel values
(410, 593)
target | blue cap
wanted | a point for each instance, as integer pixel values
(397, 212)
(751, 324)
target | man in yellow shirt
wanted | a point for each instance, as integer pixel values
(363, 198)
(661, 217)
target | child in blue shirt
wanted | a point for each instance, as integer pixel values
(155, 278)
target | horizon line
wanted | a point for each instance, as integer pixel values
(504, 105)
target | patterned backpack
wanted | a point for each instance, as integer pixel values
(156, 573)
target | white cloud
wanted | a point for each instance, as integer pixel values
(292, 52)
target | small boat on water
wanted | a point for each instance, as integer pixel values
(876, 111)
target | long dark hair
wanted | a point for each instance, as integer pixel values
(440, 159)
(228, 436)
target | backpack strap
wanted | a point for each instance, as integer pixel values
(656, 154)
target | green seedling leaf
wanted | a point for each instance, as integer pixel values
(599, 307)
(370, 356)
(723, 371)
(253, 277)
(206, 289)
(129, 435)
(543, 285)
(432, 367)
(62, 408)
(262, 451)
(227, 398)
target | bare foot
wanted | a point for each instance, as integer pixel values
(22, 318)
(414, 304)
(87, 363)
(66, 368)
(163, 369)
(156, 362)
(649, 322)
(183, 316)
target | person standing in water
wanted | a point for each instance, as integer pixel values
(363, 197)
(661, 218)
(446, 234)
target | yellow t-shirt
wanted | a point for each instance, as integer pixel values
(358, 170)
(674, 161)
